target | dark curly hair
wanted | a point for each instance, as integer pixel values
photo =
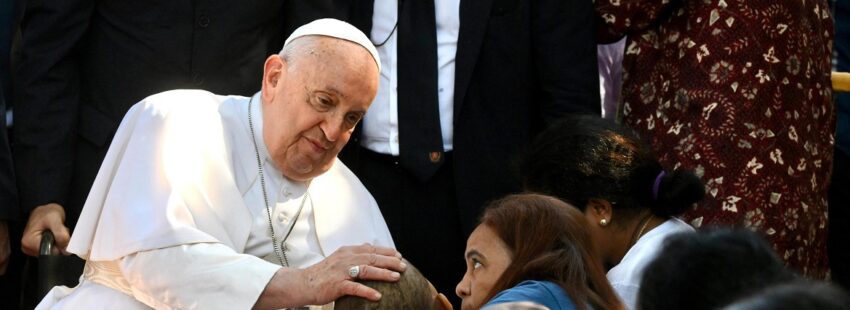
(709, 270)
(580, 158)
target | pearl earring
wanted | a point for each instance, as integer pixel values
(603, 222)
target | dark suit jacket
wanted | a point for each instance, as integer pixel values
(85, 62)
(8, 192)
(519, 65)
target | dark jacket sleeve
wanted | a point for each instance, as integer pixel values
(8, 192)
(47, 94)
(8, 198)
(565, 57)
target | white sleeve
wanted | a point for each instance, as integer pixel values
(196, 276)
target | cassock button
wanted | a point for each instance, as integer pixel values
(282, 218)
(435, 156)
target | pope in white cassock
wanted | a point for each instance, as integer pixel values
(202, 198)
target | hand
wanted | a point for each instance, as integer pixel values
(329, 280)
(45, 217)
(5, 250)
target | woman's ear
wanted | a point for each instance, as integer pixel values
(599, 211)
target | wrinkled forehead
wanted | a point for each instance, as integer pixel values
(318, 53)
(313, 44)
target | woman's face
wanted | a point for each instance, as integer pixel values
(487, 257)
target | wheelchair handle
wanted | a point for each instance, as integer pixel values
(46, 247)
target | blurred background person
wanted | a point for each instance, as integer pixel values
(629, 200)
(8, 192)
(839, 196)
(738, 91)
(464, 88)
(10, 258)
(709, 270)
(534, 248)
(797, 295)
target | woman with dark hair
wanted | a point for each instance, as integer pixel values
(740, 91)
(535, 248)
(629, 200)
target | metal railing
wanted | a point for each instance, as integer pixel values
(841, 82)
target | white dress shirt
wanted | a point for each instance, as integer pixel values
(380, 125)
(610, 61)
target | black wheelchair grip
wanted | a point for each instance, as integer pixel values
(46, 243)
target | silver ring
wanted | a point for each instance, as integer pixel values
(354, 271)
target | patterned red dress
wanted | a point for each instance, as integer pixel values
(739, 91)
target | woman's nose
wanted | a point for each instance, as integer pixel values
(462, 288)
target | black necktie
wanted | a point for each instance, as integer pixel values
(421, 143)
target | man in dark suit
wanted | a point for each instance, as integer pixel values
(9, 262)
(84, 63)
(8, 192)
(465, 87)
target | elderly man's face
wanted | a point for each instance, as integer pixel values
(312, 103)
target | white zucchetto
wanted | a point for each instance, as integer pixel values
(336, 29)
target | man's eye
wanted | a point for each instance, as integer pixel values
(352, 119)
(476, 264)
(324, 101)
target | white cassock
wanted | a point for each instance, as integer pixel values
(176, 218)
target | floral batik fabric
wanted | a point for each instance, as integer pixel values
(739, 91)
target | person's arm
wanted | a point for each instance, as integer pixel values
(8, 201)
(565, 57)
(201, 276)
(213, 276)
(616, 19)
(47, 83)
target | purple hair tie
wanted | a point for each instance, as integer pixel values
(657, 184)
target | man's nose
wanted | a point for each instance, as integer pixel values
(332, 127)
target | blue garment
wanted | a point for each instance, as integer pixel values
(545, 293)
